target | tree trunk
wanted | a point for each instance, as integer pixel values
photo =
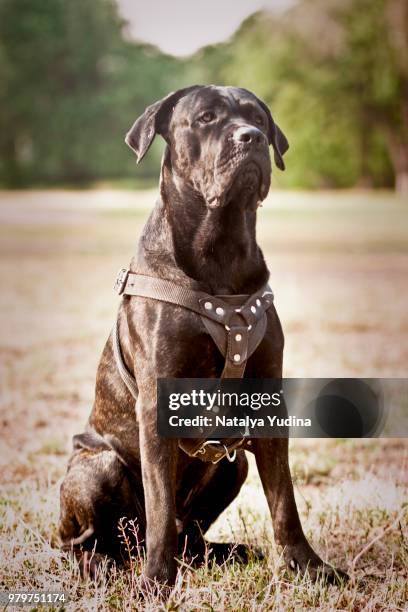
(11, 170)
(401, 183)
(398, 147)
(400, 158)
(365, 180)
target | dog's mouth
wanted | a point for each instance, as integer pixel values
(247, 179)
(250, 182)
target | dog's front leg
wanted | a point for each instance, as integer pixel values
(158, 458)
(273, 466)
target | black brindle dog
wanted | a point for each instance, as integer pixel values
(201, 234)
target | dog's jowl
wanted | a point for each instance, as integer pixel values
(200, 237)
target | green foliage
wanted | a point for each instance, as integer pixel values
(329, 72)
(334, 73)
(71, 89)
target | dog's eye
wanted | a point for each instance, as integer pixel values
(207, 117)
(258, 120)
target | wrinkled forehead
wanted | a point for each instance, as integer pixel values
(211, 98)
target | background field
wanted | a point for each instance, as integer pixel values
(339, 270)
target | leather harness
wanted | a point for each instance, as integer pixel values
(236, 323)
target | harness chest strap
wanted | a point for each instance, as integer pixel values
(236, 323)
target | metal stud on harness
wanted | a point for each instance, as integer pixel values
(236, 323)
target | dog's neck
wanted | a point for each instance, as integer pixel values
(215, 247)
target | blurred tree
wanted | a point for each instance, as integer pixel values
(335, 75)
(374, 74)
(71, 88)
(270, 57)
(55, 60)
(334, 72)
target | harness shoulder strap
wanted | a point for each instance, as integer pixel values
(128, 283)
(126, 376)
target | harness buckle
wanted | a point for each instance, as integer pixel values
(121, 279)
(225, 454)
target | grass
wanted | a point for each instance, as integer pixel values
(338, 266)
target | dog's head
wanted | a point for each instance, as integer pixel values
(218, 139)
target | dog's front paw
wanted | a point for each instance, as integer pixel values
(154, 588)
(303, 559)
(159, 575)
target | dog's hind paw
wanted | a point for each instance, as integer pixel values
(93, 564)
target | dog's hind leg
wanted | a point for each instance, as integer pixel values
(95, 494)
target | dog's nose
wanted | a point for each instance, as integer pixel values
(248, 134)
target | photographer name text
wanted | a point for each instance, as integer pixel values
(246, 421)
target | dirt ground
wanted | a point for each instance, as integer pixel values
(339, 270)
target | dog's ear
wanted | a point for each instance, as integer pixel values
(276, 138)
(280, 146)
(155, 120)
